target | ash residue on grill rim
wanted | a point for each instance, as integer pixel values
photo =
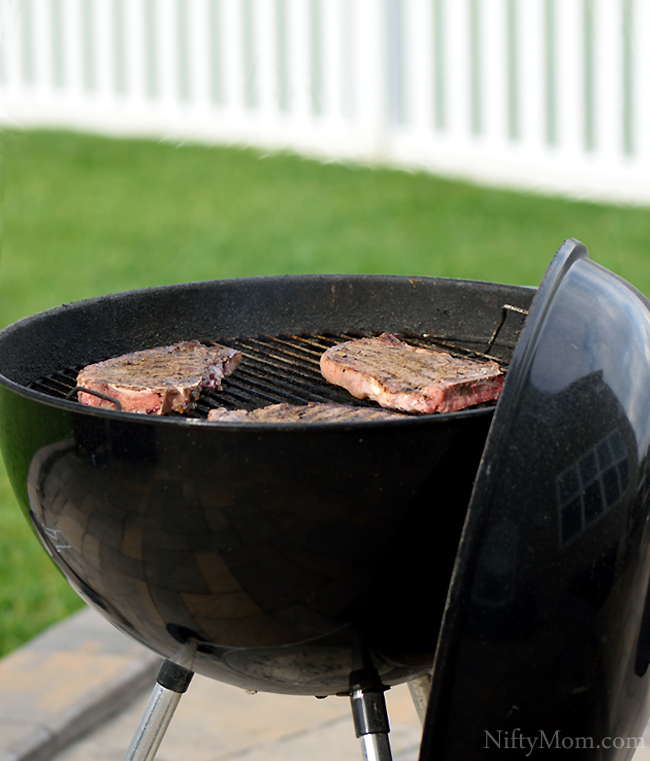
(275, 369)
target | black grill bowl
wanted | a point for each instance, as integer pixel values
(290, 555)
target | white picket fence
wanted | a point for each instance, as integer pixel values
(547, 94)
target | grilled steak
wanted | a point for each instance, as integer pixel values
(158, 381)
(301, 413)
(403, 377)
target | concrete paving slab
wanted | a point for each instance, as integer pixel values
(77, 692)
(217, 722)
(65, 681)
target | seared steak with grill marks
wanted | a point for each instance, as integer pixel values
(158, 381)
(404, 377)
(301, 413)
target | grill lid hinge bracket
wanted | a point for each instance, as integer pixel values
(504, 314)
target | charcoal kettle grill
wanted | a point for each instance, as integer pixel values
(499, 555)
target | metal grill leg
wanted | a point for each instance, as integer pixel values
(173, 680)
(370, 716)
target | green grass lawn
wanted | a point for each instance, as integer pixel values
(86, 216)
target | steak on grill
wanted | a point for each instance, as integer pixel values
(408, 378)
(158, 381)
(301, 413)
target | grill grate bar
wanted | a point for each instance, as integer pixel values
(278, 370)
(293, 348)
(265, 366)
(289, 384)
(268, 352)
(58, 383)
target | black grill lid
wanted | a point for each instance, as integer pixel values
(542, 639)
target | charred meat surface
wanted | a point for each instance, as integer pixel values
(403, 377)
(160, 380)
(301, 413)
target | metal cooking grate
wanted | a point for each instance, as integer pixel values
(283, 368)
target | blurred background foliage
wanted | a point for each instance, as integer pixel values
(86, 215)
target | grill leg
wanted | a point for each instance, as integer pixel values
(370, 716)
(173, 680)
